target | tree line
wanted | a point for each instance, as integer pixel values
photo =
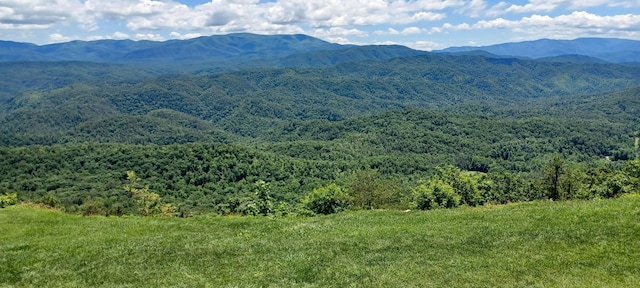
(183, 180)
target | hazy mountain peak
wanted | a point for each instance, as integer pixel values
(608, 49)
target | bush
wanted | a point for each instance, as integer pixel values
(632, 170)
(326, 200)
(435, 194)
(8, 199)
(92, 207)
(468, 186)
(116, 209)
(50, 200)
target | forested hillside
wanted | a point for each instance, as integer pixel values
(250, 102)
(398, 120)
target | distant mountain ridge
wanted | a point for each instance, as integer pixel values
(607, 49)
(245, 50)
(217, 49)
(216, 53)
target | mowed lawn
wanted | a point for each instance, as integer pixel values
(540, 244)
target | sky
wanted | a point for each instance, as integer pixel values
(419, 24)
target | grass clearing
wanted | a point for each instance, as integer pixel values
(539, 244)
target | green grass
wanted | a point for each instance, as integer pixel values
(540, 244)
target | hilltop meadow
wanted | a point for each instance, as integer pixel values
(539, 244)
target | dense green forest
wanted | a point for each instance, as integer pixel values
(318, 132)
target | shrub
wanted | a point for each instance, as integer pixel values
(435, 194)
(8, 199)
(50, 200)
(467, 185)
(632, 170)
(326, 200)
(116, 209)
(94, 206)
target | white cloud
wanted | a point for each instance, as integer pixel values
(149, 36)
(417, 45)
(338, 31)
(390, 31)
(432, 4)
(535, 6)
(427, 16)
(406, 31)
(221, 17)
(550, 5)
(475, 8)
(116, 35)
(330, 13)
(424, 45)
(568, 26)
(499, 23)
(340, 40)
(133, 8)
(120, 35)
(177, 35)
(57, 37)
(411, 30)
(495, 10)
(29, 14)
(449, 26)
(576, 20)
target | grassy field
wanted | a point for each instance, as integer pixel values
(541, 244)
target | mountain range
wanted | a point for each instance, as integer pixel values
(242, 50)
(222, 50)
(607, 49)
(245, 85)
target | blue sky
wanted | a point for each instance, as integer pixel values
(420, 24)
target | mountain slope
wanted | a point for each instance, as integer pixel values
(350, 54)
(47, 75)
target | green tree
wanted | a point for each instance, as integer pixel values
(259, 203)
(263, 198)
(552, 176)
(572, 181)
(504, 187)
(147, 202)
(615, 184)
(632, 170)
(606, 182)
(369, 190)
